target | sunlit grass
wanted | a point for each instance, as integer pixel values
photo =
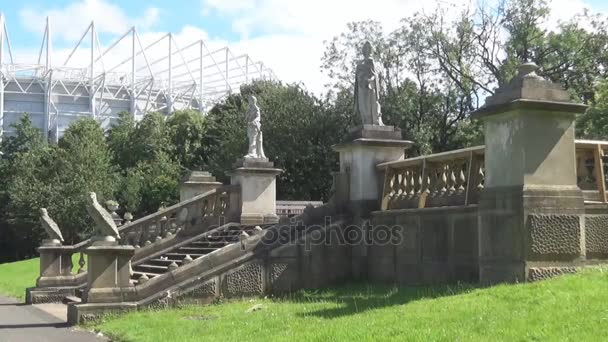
(572, 307)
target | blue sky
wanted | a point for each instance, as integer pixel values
(287, 35)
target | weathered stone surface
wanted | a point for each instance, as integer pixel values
(367, 89)
(552, 235)
(276, 270)
(205, 290)
(596, 236)
(543, 273)
(50, 227)
(254, 130)
(246, 280)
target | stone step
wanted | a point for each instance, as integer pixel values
(71, 299)
(216, 244)
(137, 274)
(196, 250)
(148, 267)
(160, 262)
(173, 256)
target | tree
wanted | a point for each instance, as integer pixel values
(21, 165)
(188, 138)
(119, 139)
(439, 67)
(298, 129)
(84, 164)
(594, 123)
(149, 164)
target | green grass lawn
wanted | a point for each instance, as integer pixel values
(15, 277)
(573, 307)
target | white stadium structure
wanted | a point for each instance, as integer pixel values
(130, 74)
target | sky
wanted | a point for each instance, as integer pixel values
(287, 35)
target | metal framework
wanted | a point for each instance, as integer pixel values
(127, 75)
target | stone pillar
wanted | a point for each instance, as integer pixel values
(369, 145)
(257, 177)
(109, 273)
(55, 265)
(197, 183)
(531, 209)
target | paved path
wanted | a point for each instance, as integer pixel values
(26, 323)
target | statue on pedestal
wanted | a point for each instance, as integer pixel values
(254, 130)
(50, 227)
(106, 228)
(367, 88)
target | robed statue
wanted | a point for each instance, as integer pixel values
(367, 88)
(254, 130)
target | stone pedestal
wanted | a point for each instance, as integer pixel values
(257, 178)
(370, 146)
(108, 273)
(532, 211)
(55, 265)
(197, 183)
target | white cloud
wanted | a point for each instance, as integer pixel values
(289, 34)
(69, 22)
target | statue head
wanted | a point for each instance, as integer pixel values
(92, 198)
(367, 49)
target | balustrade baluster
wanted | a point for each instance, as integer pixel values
(462, 180)
(452, 169)
(81, 263)
(443, 180)
(480, 176)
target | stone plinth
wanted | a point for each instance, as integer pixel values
(257, 178)
(370, 146)
(197, 183)
(55, 265)
(532, 211)
(108, 273)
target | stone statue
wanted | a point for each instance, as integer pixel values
(50, 227)
(103, 220)
(367, 86)
(254, 130)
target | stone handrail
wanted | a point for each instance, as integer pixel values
(589, 155)
(181, 216)
(443, 179)
(456, 178)
(209, 207)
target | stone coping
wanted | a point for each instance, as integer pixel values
(555, 107)
(373, 143)
(470, 207)
(256, 170)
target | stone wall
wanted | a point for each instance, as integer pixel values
(436, 245)
(447, 245)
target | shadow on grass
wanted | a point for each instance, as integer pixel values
(358, 298)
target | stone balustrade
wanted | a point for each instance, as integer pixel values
(589, 155)
(169, 221)
(456, 178)
(57, 278)
(444, 179)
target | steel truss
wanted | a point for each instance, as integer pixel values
(160, 76)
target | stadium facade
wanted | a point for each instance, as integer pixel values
(130, 74)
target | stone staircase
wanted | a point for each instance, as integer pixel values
(161, 263)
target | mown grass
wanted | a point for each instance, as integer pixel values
(572, 307)
(15, 277)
